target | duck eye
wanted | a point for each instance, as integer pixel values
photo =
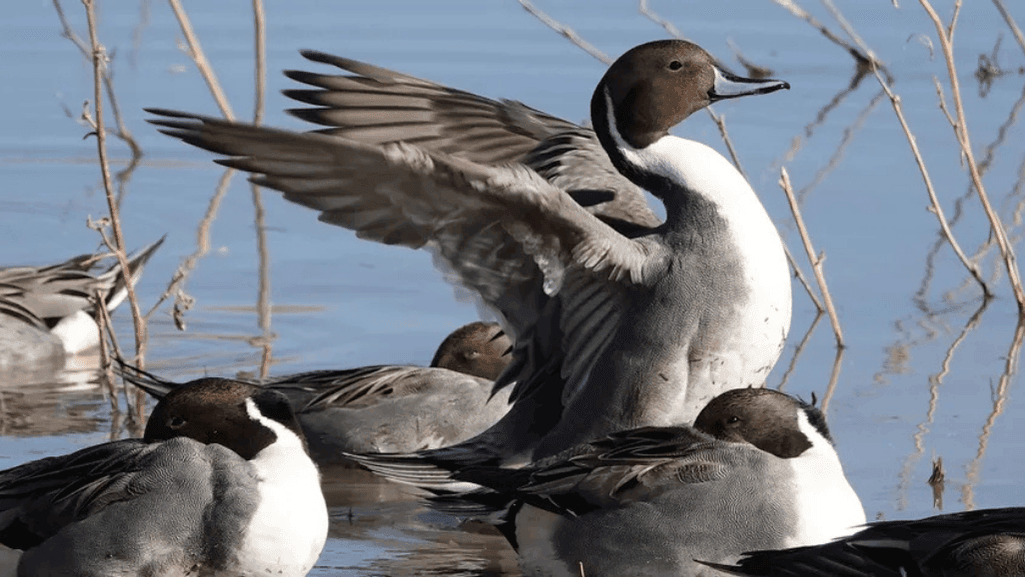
(675, 65)
(176, 422)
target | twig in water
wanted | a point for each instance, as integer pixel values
(804, 280)
(846, 139)
(202, 248)
(753, 70)
(946, 36)
(1010, 23)
(834, 378)
(136, 411)
(863, 58)
(195, 52)
(1000, 398)
(263, 305)
(816, 262)
(108, 82)
(853, 34)
(565, 31)
(797, 351)
(106, 373)
(936, 209)
(720, 122)
(118, 248)
(260, 50)
(650, 14)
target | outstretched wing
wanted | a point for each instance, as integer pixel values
(374, 105)
(377, 106)
(402, 194)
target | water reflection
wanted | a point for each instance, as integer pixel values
(412, 539)
(930, 371)
(53, 399)
(51, 408)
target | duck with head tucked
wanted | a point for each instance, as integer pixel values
(391, 408)
(46, 312)
(758, 470)
(220, 484)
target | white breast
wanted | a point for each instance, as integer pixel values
(827, 506)
(288, 531)
(763, 320)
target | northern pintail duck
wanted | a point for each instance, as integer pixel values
(47, 311)
(757, 470)
(983, 543)
(393, 408)
(620, 320)
(221, 484)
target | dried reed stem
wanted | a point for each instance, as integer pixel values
(195, 52)
(106, 372)
(816, 261)
(834, 378)
(946, 36)
(798, 350)
(1000, 396)
(1010, 23)
(263, 304)
(936, 209)
(804, 280)
(202, 243)
(846, 139)
(260, 50)
(867, 52)
(136, 412)
(108, 82)
(650, 14)
(99, 61)
(863, 58)
(565, 31)
(720, 122)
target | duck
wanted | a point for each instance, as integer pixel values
(757, 470)
(220, 484)
(391, 408)
(979, 543)
(620, 320)
(47, 312)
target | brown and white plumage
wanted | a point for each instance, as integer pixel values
(46, 311)
(619, 320)
(391, 408)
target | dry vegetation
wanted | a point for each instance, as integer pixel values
(840, 32)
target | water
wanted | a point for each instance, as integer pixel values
(926, 373)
